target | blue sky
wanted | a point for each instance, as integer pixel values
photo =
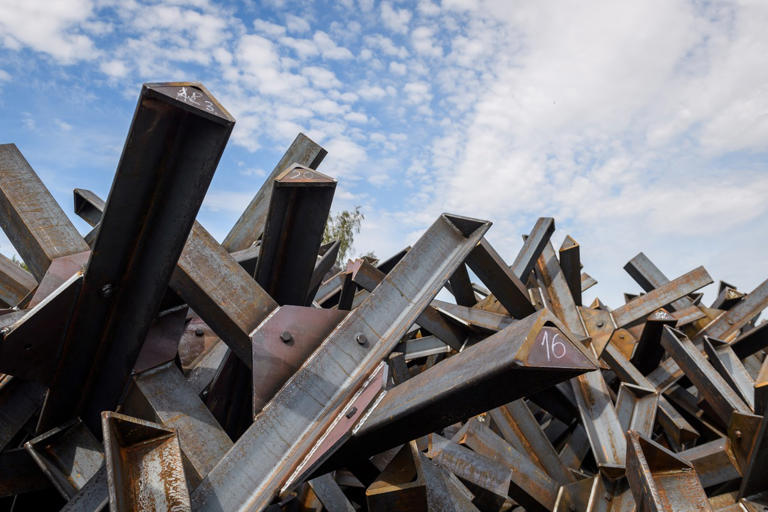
(637, 125)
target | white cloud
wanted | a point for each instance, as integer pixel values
(371, 92)
(328, 48)
(321, 77)
(395, 19)
(4, 76)
(49, 27)
(268, 28)
(417, 92)
(296, 24)
(385, 46)
(397, 68)
(114, 68)
(423, 42)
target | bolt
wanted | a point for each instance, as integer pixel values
(286, 337)
(199, 332)
(621, 336)
(106, 291)
(737, 434)
(351, 412)
(600, 324)
(361, 339)
(730, 321)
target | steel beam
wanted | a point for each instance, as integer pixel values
(648, 351)
(715, 390)
(163, 395)
(474, 317)
(570, 262)
(649, 277)
(636, 408)
(714, 462)
(660, 480)
(293, 231)
(661, 296)
(368, 277)
(144, 465)
(525, 357)
(250, 225)
(725, 361)
(15, 282)
(264, 459)
(176, 138)
(31, 218)
(500, 280)
(525, 261)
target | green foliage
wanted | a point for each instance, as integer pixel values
(342, 227)
(19, 262)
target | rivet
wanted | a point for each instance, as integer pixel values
(286, 337)
(600, 323)
(106, 291)
(361, 339)
(199, 332)
(351, 412)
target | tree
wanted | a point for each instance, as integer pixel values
(342, 227)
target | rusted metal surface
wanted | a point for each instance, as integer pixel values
(661, 480)
(31, 218)
(15, 282)
(250, 225)
(144, 465)
(281, 344)
(298, 211)
(361, 391)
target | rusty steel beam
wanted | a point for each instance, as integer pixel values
(648, 351)
(328, 254)
(529, 485)
(570, 263)
(250, 225)
(518, 426)
(729, 323)
(137, 245)
(281, 344)
(19, 401)
(368, 278)
(144, 465)
(216, 286)
(527, 356)
(534, 243)
(725, 361)
(270, 453)
(461, 287)
(661, 296)
(163, 395)
(660, 480)
(293, 231)
(714, 462)
(68, 455)
(719, 395)
(500, 280)
(649, 277)
(587, 282)
(636, 408)
(474, 317)
(31, 218)
(15, 282)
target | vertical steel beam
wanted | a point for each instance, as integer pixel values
(461, 287)
(176, 138)
(293, 232)
(19, 400)
(30, 217)
(273, 448)
(570, 262)
(648, 351)
(250, 225)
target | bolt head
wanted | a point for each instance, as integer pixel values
(737, 434)
(600, 323)
(361, 339)
(351, 412)
(106, 291)
(286, 336)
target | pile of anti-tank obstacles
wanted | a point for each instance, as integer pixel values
(146, 366)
